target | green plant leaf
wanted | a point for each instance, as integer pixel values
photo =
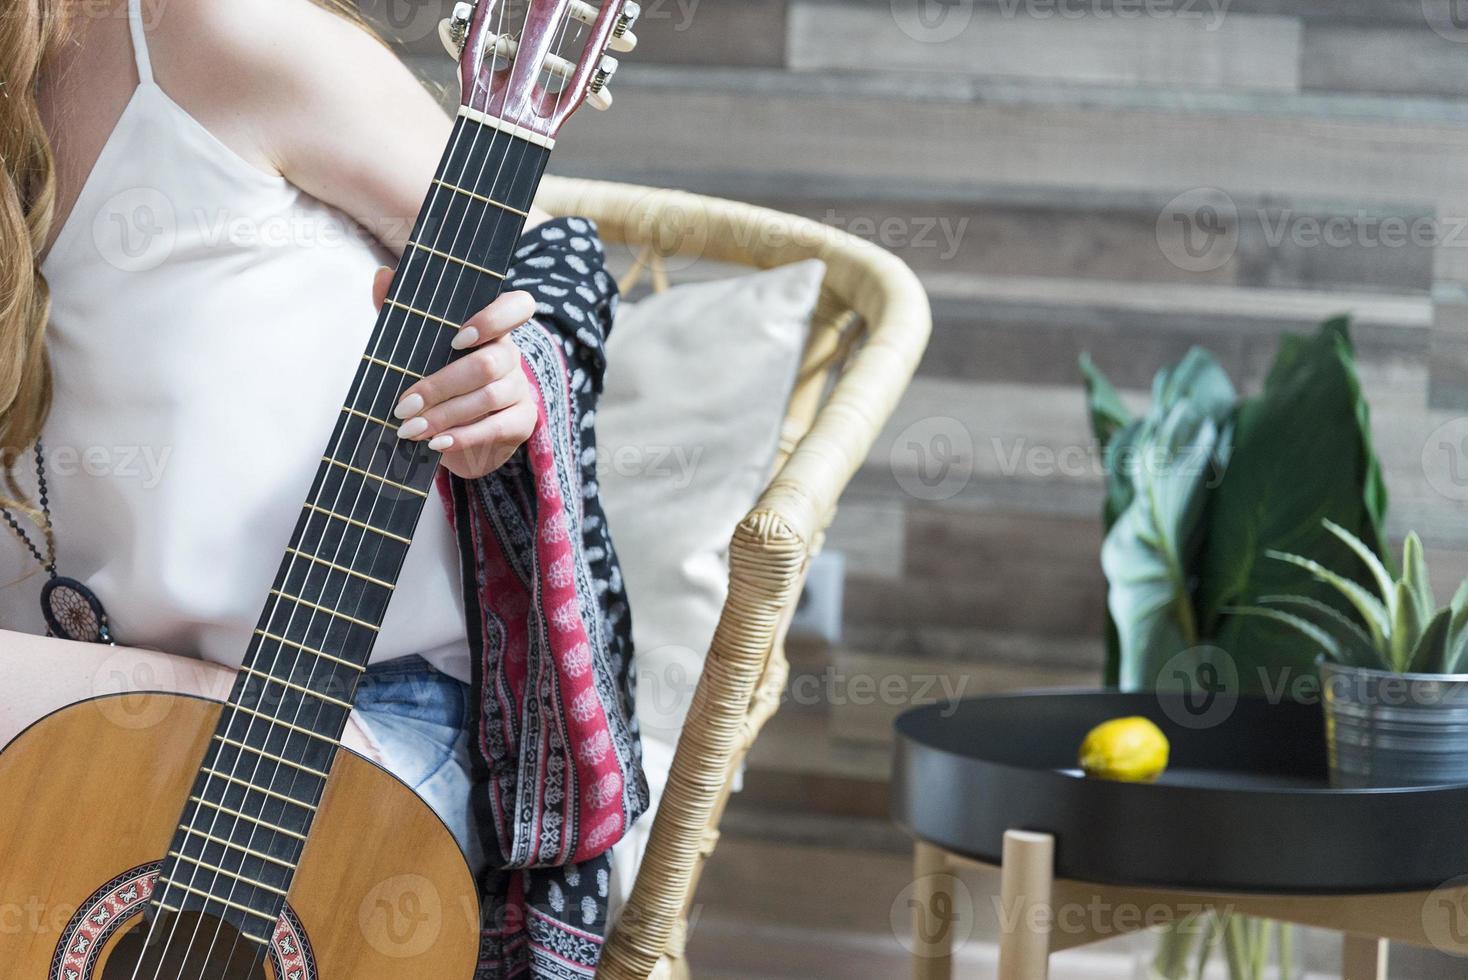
(1149, 552)
(1109, 413)
(1384, 582)
(1407, 623)
(1299, 456)
(1431, 653)
(1357, 648)
(1414, 573)
(1372, 609)
(1198, 379)
(1327, 643)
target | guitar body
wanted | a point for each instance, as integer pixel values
(90, 799)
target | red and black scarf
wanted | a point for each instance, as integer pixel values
(556, 756)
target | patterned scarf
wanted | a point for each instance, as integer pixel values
(557, 761)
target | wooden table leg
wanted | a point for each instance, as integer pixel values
(1363, 958)
(1026, 882)
(933, 917)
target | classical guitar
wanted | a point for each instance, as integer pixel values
(157, 837)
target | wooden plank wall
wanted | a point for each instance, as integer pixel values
(1128, 177)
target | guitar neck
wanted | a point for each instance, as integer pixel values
(277, 737)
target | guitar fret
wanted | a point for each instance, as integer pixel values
(298, 687)
(326, 609)
(259, 789)
(423, 313)
(317, 559)
(481, 197)
(454, 258)
(271, 755)
(311, 650)
(259, 855)
(284, 724)
(228, 874)
(370, 475)
(240, 906)
(241, 816)
(389, 364)
(356, 523)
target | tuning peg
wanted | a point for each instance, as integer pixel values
(622, 37)
(604, 73)
(600, 99)
(453, 31)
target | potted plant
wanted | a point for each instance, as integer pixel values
(1396, 706)
(1203, 488)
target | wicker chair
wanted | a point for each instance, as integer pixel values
(867, 335)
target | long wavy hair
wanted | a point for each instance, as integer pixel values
(31, 33)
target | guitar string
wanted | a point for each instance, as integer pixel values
(459, 276)
(438, 244)
(273, 607)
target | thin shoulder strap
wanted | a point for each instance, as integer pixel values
(140, 41)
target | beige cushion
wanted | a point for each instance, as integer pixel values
(698, 380)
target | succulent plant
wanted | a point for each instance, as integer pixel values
(1400, 627)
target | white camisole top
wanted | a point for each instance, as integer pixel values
(207, 320)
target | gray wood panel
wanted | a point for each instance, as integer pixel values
(1204, 51)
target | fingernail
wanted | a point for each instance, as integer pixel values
(409, 407)
(439, 443)
(413, 428)
(466, 337)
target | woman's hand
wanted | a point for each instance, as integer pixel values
(478, 410)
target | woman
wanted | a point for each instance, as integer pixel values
(185, 300)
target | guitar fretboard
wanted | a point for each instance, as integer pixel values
(256, 795)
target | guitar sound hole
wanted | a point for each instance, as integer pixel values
(229, 956)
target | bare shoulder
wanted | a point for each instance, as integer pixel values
(255, 72)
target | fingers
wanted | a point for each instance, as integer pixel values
(485, 366)
(381, 281)
(506, 313)
(473, 450)
(469, 407)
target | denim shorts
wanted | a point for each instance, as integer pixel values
(417, 717)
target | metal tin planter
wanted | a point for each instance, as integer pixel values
(1384, 729)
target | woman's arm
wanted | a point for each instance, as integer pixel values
(43, 675)
(304, 93)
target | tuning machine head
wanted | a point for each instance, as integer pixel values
(598, 95)
(622, 37)
(454, 30)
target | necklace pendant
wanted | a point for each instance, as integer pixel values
(73, 612)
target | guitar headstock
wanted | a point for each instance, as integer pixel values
(532, 63)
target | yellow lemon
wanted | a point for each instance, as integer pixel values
(1128, 750)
